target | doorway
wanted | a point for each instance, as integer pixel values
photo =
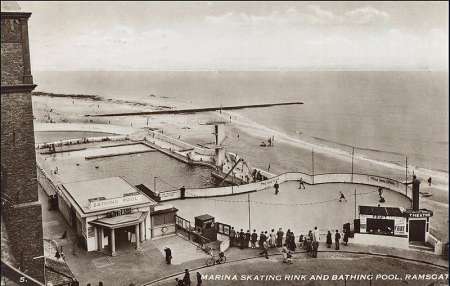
(417, 230)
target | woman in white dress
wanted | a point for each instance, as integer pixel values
(273, 239)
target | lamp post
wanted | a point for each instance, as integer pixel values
(312, 164)
(249, 214)
(353, 155)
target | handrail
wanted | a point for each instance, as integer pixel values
(306, 174)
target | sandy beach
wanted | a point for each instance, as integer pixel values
(288, 154)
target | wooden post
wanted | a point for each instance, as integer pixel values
(353, 155)
(312, 165)
(355, 203)
(249, 214)
(406, 176)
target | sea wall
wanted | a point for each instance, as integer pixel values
(363, 179)
(81, 141)
(180, 145)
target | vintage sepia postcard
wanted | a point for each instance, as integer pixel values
(224, 143)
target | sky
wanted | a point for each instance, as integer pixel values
(238, 35)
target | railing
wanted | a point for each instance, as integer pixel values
(183, 225)
(46, 183)
(364, 179)
(181, 144)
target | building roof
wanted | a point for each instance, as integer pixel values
(10, 6)
(204, 217)
(380, 211)
(58, 272)
(104, 194)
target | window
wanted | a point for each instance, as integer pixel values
(380, 226)
(161, 219)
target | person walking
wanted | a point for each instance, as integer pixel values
(168, 252)
(300, 241)
(265, 250)
(345, 240)
(273, 239)
(247, 239)
(232, 237)
(261, 240)
(254, 238)
(293, 245)
(380, 192)
(287, 256)
(241, 239)
(429, 181)
(342, 197)
(187, 278)
(199, 279)
(301, 184)
(315, 247)
(280, 235)
(329, 239)
(337, 237)
(288, 239)
(276, 186)
(316, 234)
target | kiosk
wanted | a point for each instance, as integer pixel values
(205, 225)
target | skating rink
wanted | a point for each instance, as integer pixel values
(295, 209)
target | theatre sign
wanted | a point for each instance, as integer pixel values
(422, 213)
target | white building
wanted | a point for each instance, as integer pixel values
(106, 213)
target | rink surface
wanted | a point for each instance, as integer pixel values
(295, 209)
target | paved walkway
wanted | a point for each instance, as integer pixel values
(148, 265)
(249, 261)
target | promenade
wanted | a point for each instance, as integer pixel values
(147, 265)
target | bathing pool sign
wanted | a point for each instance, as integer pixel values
(116, 202)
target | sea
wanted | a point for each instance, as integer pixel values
(385, 115)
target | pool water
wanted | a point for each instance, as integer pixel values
(137, 169)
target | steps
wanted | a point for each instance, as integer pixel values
(417, 245)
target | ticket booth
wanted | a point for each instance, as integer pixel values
(205, 225)
(418, 224)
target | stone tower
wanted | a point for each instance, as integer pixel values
(21, 211)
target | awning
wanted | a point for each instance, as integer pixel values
(121, 221)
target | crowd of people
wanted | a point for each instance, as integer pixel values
(286, 241)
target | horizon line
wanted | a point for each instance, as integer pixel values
(244, 70)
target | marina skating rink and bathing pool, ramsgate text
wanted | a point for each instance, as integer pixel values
(297, 209)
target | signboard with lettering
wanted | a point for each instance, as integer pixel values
(384, 180)
(419, 214)
(116, 202)
(119, 212)
(169, 195)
